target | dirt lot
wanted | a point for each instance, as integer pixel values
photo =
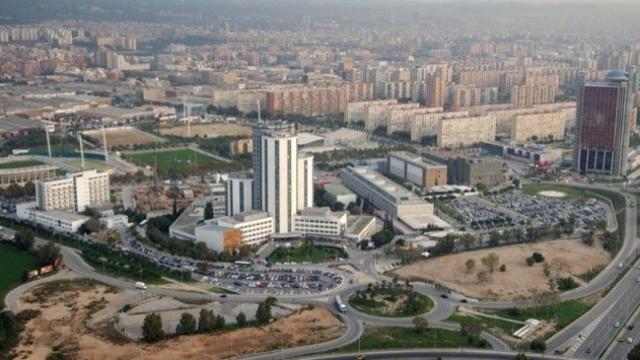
(122, 136)
(66, 328)
(210, 130)
(570, 257)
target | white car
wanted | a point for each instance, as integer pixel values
(616, 324)
(629, 340)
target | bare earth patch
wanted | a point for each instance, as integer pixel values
(519, 281)
(66, 326)
(210, 130)
(122, 136)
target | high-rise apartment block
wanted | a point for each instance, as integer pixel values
(603, 125)
(75, 192)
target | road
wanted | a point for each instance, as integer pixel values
(589, 336)
(438, 354)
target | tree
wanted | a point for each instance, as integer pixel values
(538, 257)
(208, 211)
(634, 354)
(219, 322)
(469, 265)
(90, 226)
(530, 261)
(241, 319)
(490, 261)
(24, 240)
(521, 356)
(538, 345)
(186, 325)
(420, 324)
(47, 254)
(587, 238)
(9, 332)
(263, 313)
(470, 330)
(205, 321)
(152, 328)
(503, 268)
(483, 276)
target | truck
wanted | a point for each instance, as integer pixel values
(140, 285)
(340, 305)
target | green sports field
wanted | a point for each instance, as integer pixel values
(19, 164)
(14, 263)
(180, 162)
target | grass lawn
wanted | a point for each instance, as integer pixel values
(390, 302)
(562, 314)
(89, 164)
(485, 323)
(375, 338)
(180, 162)
(634, 141)
(19, 164)
(300, 254)
(14, 263)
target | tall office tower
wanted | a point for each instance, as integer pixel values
(305, 181)
(279, 173)
(75, 192)
(603, 126)
(259, 130)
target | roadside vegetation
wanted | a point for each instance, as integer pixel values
(306, 251)
(15, 262)
(105, 258)
(390, 300)
(387, 338)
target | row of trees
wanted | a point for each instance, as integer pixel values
(153, 330)
(46, 254)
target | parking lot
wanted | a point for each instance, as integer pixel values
(273, 281)
(243, 278)
(544, 210)
(477, 215)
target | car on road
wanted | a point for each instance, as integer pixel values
(629, 340)
(630, 327)
(616, 324)
(638, 279)
(588, 351)
(620, 265)
(444, 296)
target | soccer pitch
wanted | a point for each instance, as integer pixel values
(176, 160)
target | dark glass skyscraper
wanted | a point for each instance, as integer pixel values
(602, 126)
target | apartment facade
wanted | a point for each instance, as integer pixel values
(465, 131)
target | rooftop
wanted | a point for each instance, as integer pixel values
(398, 192)
(337, 189)
(324, 212)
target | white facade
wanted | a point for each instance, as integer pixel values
(239, 193)
(305, 181)
(278, 178)
(75, 192)
(54, 219)
(114, 221)
(320, 222)
(256, 227)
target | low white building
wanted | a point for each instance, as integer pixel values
(114, 221)
(54, 219)
(361, 228)
(320, 221)
(256, 227)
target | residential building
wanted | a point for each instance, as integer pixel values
(465, 131)
(548, 125)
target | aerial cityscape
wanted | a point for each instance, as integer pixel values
(319, 179)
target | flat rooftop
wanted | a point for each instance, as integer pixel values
(190, 218)
(415, 159)
(324, 212)
(384, 184)
(250, 215)
(337, 189)
(14, 123)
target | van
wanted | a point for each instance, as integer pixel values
(140, 285)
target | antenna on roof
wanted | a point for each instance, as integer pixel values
(81, 152)
(259, 117)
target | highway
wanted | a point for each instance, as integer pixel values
(589, 336)
(438, 354)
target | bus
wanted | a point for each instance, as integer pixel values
(340, 305)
